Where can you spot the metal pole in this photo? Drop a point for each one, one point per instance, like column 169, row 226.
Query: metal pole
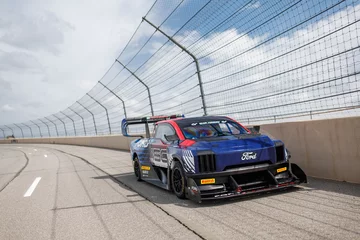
column 81, row 119
column 12, row 131
column 71, row 120
column 22, row 133
column 57, row 132
column 147, row 88
column 46, row 126
column 62, row 123
column 32, row 135
column 38, row 127
column 3, row 132
column 91, row 114
column 107, row 114
column 195, row 60
column 115, row 96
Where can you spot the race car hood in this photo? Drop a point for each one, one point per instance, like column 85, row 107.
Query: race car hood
column 235, row 151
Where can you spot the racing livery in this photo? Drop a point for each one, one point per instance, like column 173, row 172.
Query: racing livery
column 210, row 157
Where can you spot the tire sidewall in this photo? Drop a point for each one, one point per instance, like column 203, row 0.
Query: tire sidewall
column 136, row 161
column 179, row 167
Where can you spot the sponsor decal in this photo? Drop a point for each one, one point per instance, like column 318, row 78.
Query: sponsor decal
column 143, row 143
column 208, row 181
column 224, row 195
column 209, row 122
column 147, row 168
column 248, row 156
column 188, row 157
column 283, row 169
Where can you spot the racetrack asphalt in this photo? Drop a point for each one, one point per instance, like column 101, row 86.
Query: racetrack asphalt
column 91, row 193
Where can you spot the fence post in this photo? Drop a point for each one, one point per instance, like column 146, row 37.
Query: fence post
column 91, row 114
column 22, row 133
column 115, row 96
column 38, row 127
column 107, row 114
column 202, row 95
column 81, row 119
column 12, row 131
column 71, row 120
column 3, row 132
column 147, row 88
column 46, row 126
column 57, row 132
column 32, row 135
column 62, row 123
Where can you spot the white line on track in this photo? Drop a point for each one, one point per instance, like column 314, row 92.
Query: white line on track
column 35, row 150
column 29, row 153
column 45, row 155
column 32, row 187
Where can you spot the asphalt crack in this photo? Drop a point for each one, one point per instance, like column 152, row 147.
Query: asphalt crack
column 129, row 187
column 18, row 172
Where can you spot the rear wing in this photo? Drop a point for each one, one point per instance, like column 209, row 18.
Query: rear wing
column 143, row 120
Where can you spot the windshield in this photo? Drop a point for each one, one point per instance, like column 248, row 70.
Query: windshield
column 198, row 130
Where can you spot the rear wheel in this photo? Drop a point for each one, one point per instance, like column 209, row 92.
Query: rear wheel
column 178, row 180
column 137, row 168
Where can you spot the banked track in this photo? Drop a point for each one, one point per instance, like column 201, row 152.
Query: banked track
column 321, row 210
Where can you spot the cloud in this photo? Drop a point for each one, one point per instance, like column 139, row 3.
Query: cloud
column 7, row 108
column 5, row 85
column 53, row 52
column 19, row 61
column 41, row 30
column 256, row 4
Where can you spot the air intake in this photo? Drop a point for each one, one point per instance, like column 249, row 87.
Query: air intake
column 207, row 163
column 280, row 153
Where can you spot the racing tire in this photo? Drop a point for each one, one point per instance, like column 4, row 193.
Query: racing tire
column 137, row 172
column 178, row 180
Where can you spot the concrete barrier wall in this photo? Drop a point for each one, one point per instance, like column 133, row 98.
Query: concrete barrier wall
column 323, row 148
column 114, row 141
column 327, row 149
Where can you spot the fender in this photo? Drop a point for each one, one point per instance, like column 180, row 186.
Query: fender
column 172, row 162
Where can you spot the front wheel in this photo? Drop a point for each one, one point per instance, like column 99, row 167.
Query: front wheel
column 178, row 180
column 137, row 168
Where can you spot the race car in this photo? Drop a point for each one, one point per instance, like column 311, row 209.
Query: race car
column 209, row 157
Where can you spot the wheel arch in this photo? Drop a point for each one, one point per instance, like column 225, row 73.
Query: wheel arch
column 175, row 158
column 134, row 155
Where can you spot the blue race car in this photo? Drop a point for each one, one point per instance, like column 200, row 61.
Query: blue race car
column 210, row 157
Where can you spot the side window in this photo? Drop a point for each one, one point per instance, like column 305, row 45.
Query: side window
column 236, row 130
column 164, row 129
column 224, row 127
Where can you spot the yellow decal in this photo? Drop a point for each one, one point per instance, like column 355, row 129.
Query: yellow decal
column 145, row 168
column 208, row 181
column 283, row 169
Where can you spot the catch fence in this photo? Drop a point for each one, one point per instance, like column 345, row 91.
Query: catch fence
column 258, row 61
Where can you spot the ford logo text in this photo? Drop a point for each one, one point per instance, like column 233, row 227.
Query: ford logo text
column 248, row 156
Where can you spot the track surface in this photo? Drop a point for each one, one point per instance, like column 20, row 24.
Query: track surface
column 91, row 193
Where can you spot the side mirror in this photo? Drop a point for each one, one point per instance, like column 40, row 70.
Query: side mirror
column 171, row 138
column 255, row 129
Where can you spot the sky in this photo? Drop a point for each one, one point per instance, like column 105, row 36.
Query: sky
column 52, row 52
column 257, row 58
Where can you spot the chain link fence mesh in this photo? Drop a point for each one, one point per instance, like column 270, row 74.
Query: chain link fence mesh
column 257, row 61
